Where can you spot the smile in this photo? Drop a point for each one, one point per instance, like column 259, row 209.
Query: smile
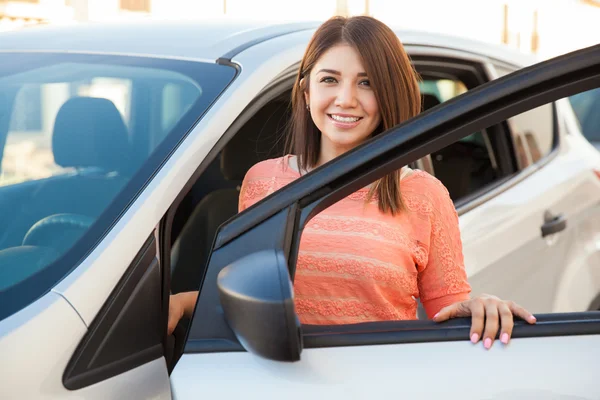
column 345, row 119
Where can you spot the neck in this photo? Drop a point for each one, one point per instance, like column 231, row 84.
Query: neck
column 329, row 152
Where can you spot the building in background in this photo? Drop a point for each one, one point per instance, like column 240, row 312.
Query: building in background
column 15, row 14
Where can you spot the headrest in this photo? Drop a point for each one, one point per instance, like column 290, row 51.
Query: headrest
column 429, row 101
column 261, row 138
column 89, row 132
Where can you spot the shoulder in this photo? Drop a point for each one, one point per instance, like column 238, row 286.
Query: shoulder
column 425, row 192
column 424, row 182
column 264, row 178
column 270, row 168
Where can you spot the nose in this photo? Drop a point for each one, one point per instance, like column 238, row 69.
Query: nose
column 346, row 96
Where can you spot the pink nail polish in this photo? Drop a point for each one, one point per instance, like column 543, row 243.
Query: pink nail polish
column 474, row 338
column 488, row 343
column 504, row 338
column 436, row 315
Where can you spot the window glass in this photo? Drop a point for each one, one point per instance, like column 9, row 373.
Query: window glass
column 28, row 150
column 469, row 164
column 587, row 109
column 75, row 132
column 533, row 134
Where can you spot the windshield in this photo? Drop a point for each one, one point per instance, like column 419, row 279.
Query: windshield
column 80, row 135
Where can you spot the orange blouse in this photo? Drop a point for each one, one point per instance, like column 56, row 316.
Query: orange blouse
column 357, row 264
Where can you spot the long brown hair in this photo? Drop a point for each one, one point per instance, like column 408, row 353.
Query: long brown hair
column 393, row 80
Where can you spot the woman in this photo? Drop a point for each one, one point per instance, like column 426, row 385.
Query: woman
column 369, row 256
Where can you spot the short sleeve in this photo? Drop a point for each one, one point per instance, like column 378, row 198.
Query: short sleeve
column 250, row 191
column 261, row 180
column 443, row 281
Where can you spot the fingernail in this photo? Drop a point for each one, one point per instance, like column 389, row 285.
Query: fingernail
column 504, row 338
column 474, row 338
column 532, row 318
column 488, row 343
column 436, row 315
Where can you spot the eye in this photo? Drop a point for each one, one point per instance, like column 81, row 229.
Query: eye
column 328, row 79
column 365, row 82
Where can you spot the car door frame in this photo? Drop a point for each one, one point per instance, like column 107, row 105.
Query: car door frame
column 275, row 223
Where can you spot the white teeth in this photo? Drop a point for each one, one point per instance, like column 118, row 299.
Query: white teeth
column 344, row 119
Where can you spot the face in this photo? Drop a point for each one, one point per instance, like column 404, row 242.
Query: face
column 342, row 102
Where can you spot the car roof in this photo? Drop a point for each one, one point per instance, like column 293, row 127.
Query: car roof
column 205, row 39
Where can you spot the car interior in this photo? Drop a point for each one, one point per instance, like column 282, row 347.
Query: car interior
column 463, row 167
column 43, row 223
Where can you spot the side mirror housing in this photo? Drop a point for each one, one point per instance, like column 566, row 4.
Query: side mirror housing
column 256, row 294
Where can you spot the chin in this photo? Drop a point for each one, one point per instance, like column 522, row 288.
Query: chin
column 347, row 141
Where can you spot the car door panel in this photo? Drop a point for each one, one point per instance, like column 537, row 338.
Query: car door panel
column 417, row 358
column 505, row 252
column 420, row 370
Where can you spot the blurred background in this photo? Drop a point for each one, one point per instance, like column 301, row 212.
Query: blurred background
column 543, row 27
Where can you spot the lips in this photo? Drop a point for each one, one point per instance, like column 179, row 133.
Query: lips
column 344, row 121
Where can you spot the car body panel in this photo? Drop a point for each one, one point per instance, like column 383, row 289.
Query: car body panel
column 525, row 260
column 206, row 40
column 36, row 345
column 424, row 371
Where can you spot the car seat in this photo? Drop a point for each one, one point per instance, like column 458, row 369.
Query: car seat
column 90, row 137
column 261, row 138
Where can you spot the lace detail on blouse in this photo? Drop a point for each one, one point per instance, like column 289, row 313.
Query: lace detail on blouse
column 356, row 264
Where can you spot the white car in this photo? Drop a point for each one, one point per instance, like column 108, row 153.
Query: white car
column 122, row 148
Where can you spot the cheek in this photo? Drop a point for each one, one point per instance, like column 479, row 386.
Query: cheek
column 320, row 100
column 371, row 107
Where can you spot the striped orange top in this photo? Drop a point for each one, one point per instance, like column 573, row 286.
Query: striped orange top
column 357, row 264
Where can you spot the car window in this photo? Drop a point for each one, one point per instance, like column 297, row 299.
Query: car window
column 77, row 132
column 469, row 164
column 587, row 109
column 28, row 152
column 535, row 134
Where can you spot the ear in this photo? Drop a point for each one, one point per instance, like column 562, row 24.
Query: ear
column 303, row 85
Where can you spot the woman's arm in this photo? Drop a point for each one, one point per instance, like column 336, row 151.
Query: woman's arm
column 443, row 282
column 182, row 304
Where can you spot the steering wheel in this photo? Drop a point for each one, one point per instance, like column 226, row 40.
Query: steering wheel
column 58, row 231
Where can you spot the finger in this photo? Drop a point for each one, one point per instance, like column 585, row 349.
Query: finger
column 506, row 322
column 477, row 320
column 522, row 313
column 491, row 324
column 445, row 313
column 455, row 310
column 171, row 325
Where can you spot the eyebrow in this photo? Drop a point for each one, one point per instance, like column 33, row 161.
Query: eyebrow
column 333, row 71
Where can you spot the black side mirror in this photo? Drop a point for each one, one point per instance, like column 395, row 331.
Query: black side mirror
column 256, row 293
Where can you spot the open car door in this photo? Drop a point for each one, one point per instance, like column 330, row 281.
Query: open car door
column 245, row 340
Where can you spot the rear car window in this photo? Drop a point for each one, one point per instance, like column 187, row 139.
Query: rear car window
column 587, row 108
column 80, row 135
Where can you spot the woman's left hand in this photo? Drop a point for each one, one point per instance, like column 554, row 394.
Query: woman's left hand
column 488, row 310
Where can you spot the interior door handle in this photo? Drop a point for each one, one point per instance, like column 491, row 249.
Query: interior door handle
column 553, row 223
